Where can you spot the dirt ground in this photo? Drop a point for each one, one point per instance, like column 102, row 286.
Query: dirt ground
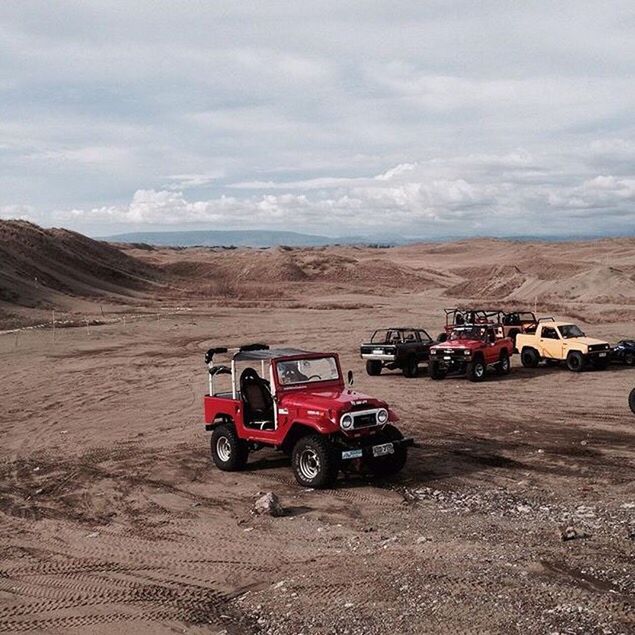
column 112, row 517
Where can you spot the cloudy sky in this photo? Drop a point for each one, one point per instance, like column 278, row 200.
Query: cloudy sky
column 427, row 119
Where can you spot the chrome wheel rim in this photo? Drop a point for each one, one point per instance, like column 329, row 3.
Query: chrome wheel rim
column 479, row 369
column 309, row 464
column 223, row 449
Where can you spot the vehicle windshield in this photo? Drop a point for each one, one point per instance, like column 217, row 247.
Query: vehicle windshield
column 468, row 333
column 302, row 371
column 570, row 330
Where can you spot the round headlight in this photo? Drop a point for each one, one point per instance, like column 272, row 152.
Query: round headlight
column 346, row 422
column 382, row 415
column 467, row 351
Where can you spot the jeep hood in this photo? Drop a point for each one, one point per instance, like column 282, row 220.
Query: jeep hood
column 329, row 399
column 471, row 344
column 587, row 341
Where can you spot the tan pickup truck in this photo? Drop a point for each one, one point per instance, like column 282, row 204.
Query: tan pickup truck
column 557, row 342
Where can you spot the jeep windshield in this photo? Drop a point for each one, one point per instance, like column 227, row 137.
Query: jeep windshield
column 310, row 370
column 468, row 333
column 570, row 330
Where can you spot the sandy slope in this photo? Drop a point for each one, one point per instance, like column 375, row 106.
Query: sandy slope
column 112, row 519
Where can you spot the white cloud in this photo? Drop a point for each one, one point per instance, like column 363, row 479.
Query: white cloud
column 323, row 116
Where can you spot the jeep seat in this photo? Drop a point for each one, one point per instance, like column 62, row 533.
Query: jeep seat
column 257, row 400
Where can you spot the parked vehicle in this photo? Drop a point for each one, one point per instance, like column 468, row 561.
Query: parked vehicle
column 472, row 350
column 511, row 323
column 463, row 316
column 624, row 352
column 554, row 342
column 297, row 402
column 631, row 400
column 397, row 347
column 515, row 322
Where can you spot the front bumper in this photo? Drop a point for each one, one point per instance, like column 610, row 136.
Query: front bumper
column 451, row 361
column 369, row 451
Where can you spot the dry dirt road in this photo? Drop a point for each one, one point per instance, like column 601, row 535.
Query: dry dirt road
column 112, row 518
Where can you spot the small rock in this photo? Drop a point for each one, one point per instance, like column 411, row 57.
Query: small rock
column 269, row 504
column 523, row 509
column 93, row 535
column 571, row 533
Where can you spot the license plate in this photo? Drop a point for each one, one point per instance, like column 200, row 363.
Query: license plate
column 382, row 450
column 602, row 354
column 447, row 357
column 352, row 454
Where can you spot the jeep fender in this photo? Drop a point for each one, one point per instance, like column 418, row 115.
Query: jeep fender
column 298, row 429
column 219, row 417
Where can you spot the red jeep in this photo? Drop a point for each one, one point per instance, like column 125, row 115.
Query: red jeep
column 511, row 322
column 471, row 349
column 296, row 402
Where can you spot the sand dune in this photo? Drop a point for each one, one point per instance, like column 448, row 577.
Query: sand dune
column 55, row 268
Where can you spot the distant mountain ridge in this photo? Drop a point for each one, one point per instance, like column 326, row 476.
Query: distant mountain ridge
column 274, row 238
column 236, row 238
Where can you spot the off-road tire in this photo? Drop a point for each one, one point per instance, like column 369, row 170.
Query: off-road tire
column 391, row 463
column 434, row 371
column 229, row 453
column 575, row 361
column 476, row 370
column 629, row 359
column 504, row 365
column 600, row 363
column 631, row 400
column 411, row 368
column 529, row 358
column 315, row 461
column 373, row 367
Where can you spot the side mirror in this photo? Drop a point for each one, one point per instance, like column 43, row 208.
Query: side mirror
column 350, row 380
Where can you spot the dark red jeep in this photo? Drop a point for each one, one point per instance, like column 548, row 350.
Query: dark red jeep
column 297, row 402
column 471, row 349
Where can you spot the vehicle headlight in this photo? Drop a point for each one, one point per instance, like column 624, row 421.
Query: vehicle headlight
column 346, row 422
column 382, row 416
column 433, row 351
column 467, row 351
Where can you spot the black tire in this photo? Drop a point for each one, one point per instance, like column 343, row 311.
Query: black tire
column 631, row 400
column 600, row 363
column 435, row 371
column 315, row 461
column 229, row 453
column 552, row 362
column 373, row 367
column 504, row 365
column 529, row 358
column 391, row 463
column 629, row 359
column 442, row 337
column 411, row 368
column 476, row 370
column 575, row 361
